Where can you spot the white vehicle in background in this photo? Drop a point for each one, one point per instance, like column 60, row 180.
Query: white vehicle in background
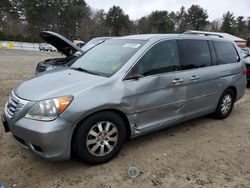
column 47, row 47
column 246, row 50
column 4, row 45
column 79, row 43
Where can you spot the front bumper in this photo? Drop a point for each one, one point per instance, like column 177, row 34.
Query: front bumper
column 50, row 140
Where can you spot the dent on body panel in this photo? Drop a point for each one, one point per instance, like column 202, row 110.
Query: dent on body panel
column 154, row 100
column 143, row 93
column 109, row 95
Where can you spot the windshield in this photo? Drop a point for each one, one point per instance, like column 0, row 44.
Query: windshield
column 91, row 44
column 108, row 57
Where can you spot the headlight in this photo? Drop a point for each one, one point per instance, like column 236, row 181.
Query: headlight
column 50, row 109
column 51, row 67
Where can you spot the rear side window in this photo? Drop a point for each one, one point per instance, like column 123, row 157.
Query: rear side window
column 226, row 52
column 195, row 54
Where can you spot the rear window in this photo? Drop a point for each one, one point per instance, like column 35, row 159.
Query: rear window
column 226, row 52
column 195, row 54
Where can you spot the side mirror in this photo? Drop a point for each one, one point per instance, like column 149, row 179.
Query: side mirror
column 135, row 76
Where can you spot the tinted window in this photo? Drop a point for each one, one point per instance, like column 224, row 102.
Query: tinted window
column 108, row 57
column 226, row 52
column 195, row 54
column 163, row 57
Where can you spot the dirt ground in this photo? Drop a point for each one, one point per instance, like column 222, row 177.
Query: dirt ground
column 201, row 153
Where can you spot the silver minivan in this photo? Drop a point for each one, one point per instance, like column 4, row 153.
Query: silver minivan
column 123, row 88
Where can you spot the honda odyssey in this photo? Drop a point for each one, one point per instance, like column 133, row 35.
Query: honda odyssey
column 123, row 88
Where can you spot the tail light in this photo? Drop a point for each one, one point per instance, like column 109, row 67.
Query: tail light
column 245, row 72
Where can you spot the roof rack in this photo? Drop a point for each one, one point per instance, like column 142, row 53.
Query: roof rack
column 204, row 34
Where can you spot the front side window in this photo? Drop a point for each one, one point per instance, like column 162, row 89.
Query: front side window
column 226, row 52
column 162, row 57
column 195, row 54
column 108, row 57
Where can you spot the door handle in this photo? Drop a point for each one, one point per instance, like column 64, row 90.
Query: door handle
column 193, row 78
column 177, row 81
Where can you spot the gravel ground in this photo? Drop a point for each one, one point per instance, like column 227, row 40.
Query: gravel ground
column 200, row 153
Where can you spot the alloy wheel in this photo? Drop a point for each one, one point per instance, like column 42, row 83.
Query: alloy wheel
column 102, row 138
column 226, row 104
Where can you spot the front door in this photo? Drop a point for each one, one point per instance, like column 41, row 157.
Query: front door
column 157, row 97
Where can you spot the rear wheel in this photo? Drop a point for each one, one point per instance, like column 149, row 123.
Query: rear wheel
column 225, row 105
column 100, row 137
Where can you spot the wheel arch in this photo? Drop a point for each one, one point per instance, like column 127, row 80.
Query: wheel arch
column 118, row 112
column 233, row 88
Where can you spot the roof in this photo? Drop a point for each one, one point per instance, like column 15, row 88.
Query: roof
column 157, row 37
column 222, row 35
column 164, row 36
column 148, row 36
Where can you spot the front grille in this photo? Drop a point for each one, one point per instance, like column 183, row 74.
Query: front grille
column 40, row 68
column 14, row 105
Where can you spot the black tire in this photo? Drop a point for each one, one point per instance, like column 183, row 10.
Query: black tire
column 219, row 113
column 80, row 146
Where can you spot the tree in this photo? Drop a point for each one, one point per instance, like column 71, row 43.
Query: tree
column 8, row 13
column 196, row 17
column 117, row 20
column 248, row 41
column 39, row 15
column 96, row 25
column 228, row 23
column 72, row 14
column 63, row 16
column 160, row 22
column 240, row 25
column 248, row 24
column 143, row 25
column 24, row 19
column 216, row 25
column 180, row 21
column 4, row 7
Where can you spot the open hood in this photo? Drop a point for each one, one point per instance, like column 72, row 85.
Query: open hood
column 62, row 44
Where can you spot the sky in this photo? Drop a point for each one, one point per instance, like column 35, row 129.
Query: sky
column 138, row 8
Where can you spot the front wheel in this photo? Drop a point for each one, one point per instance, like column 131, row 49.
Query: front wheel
column 225, row 105
column 100, row 137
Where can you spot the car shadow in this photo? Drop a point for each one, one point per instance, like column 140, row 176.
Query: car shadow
column 133, row 144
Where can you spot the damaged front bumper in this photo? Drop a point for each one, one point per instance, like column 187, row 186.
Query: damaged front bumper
column 50, row 140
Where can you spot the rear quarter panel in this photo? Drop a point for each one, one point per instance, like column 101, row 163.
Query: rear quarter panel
column 231, row 75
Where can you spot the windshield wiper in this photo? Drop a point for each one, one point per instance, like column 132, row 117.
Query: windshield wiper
column 85, row 70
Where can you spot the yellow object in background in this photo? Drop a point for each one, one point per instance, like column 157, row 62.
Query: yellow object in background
column 0, row 45
column 11, row 45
